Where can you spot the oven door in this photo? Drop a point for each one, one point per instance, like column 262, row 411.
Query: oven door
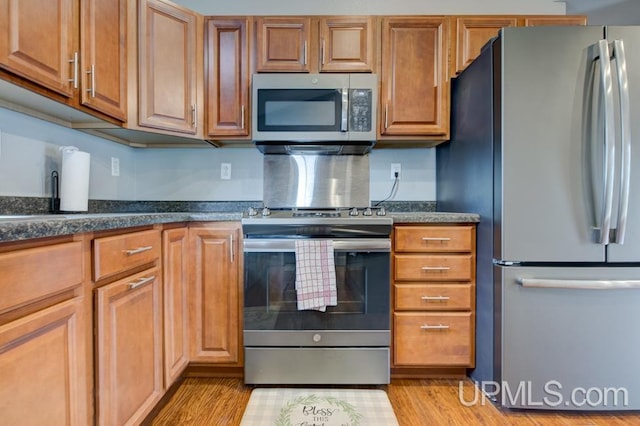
column 271, row 317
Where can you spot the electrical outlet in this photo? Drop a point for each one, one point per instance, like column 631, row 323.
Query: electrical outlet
column 396, row 168
column 115, row 166
column 225, row 171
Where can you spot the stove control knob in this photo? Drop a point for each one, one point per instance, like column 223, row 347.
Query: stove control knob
column 381, row 212
column 266, row 211
column 367, row 212
column 317, row 338
column 252, row 211
column 353, row 212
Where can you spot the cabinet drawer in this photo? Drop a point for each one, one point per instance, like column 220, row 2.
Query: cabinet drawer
column 33, row 274
column 434, row 238
column 417, row 267
column 112, row 255
column 438, row 339
column 435, row 297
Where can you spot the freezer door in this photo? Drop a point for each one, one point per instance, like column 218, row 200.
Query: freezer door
column 569, row 348
column 625, row 45
column 546, row 208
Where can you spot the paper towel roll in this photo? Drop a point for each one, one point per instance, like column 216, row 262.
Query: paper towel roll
column 74, row 180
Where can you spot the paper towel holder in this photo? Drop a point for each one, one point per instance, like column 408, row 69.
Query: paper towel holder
column 54, row 206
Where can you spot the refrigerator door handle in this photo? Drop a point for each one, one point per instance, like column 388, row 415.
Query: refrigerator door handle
column 578, row 284
column 609, row 141
column 625, row 139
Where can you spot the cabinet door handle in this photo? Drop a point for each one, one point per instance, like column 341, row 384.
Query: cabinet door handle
column 436, row 298
column 304, row 53
column 138, row 250
column 242, row 117
column 436, row 239
column 322, row 52
column 194, row 115
column 74, row 61
column 435, row 268
column 142, row 281
column 434, row 327
column 386, row 116
column 231, row 248
column 92, row 89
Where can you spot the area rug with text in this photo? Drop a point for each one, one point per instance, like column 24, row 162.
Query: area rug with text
column 318, row 407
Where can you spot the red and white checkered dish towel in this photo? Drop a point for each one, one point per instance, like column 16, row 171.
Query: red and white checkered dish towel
column 315, row 275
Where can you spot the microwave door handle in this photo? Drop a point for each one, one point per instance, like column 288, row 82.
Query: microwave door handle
column 345, row 110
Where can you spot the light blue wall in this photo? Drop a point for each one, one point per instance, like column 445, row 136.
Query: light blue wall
column 29, row 152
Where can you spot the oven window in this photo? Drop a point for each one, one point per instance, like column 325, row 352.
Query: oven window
column 293, row 110
column 362, row 285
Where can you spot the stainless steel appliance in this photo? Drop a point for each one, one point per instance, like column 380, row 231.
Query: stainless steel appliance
column 349, row 342
column 543, row 149
column 314, row 113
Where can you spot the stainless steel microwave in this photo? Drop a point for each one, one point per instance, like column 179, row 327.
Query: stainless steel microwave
column 315, row 113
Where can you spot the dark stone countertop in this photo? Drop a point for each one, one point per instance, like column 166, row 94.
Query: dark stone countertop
column 40, row 226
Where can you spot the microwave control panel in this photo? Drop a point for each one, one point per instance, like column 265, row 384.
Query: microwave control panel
column 360, row 110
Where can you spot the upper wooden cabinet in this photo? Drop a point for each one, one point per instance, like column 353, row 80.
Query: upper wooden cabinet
column 346, row 43
column 103, row 56
column 318, row 44
column 470, row 33
column 282, row 44
column 414, row 95
column 38, row 41
column 227, row 78
column 75, row 48
column 168, row 68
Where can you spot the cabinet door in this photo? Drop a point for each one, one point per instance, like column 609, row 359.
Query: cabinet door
column 175, row 280
column 103, row 57
column 227, row 78
column 414, row 100
column 346, row 44
column 43, row 366
column 473, row 32
column 283, row 43
column 167, row 67
column 129, row 348
column 37, row 41
column 532, row 21
column 214, row 294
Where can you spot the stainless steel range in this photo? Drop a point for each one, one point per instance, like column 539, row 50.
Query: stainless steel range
column 349, row 342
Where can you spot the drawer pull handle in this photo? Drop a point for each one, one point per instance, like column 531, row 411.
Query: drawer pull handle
column 436, row 298
column 436, row 239
column 142, row 281
column 435, row 268
column 434, row 327
column 138, row 250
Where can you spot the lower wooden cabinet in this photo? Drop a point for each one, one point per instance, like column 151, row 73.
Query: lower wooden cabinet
column 175, row 264
column 45, row 355
column 214, row 293
column 129, row 348
column 434, row 297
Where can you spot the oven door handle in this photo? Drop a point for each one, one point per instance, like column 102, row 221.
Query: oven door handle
column 347, row 244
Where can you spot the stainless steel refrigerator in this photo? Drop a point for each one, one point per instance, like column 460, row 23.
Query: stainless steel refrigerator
column 544, row 148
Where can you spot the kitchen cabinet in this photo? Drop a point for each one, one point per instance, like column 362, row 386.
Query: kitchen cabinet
column 215, row 293
column 128, row 323
column 434, row 296
column 45, row 358
column 175, row 266
column 227, row 78
column 315, row 44
column 414, row 95
column 470, row 33
column 169, row 68
column 74, row 48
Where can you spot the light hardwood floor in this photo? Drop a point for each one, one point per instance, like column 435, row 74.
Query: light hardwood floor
column 221, row 401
